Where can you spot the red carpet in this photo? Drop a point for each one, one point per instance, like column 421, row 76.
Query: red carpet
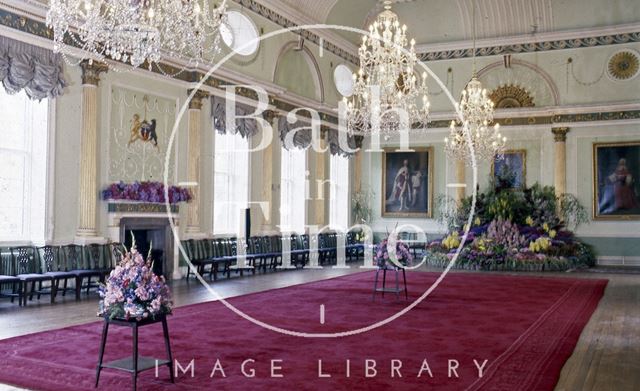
column 525, row 327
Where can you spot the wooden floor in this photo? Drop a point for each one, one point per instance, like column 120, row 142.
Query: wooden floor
column 607, row 356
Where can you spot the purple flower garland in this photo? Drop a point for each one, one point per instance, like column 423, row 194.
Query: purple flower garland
column 150, row 192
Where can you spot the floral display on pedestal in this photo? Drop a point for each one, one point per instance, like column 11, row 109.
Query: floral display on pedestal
column 133, row 291
column 386, row 255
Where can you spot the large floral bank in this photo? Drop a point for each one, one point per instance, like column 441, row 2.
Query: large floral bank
column 518, row 230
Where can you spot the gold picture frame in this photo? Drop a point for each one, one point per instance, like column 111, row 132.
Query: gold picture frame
column 523, row 159
column 418, row 203
column 616, row 170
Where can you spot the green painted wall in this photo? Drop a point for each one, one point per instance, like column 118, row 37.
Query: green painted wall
column 294, row 73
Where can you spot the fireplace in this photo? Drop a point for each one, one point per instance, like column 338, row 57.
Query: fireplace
column 149, row 224
column 150, row 234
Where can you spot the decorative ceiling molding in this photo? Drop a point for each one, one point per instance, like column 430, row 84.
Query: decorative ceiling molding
column 325, row 38
column 504, row 18
column 623, row 65
column 557, row 119
column 534, row 47
column 509, row 96
column 316, row 10
column 373, row 12
column 554, row 115
column 628, row 33
column 541, row 84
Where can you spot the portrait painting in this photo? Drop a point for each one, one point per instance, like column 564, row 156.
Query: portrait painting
column 407, row 183
column 509, row 171
column 616, row 169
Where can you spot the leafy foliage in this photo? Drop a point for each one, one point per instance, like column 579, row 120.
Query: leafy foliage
column 513, row 230
column 362, row 206
column 538, row 203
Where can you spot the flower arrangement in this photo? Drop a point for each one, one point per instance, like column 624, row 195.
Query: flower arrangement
column 132, row 290
column 514, row 230
column 150, row 192
column 401, row 254
column 540, row 245
column 451, row 241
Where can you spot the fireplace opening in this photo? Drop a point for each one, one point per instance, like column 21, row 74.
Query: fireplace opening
column 151, row 234
column 149, row 240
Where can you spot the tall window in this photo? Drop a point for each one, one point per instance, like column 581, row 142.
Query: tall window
column 23, row 167
column 231, row 182
column 339, row 202
column 293, row 168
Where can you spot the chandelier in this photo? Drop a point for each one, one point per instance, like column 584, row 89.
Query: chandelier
column 389, row 95
column 137, row 32
column 473, row 135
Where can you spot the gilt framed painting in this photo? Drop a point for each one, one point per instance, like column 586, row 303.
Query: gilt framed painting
column 510, row 170
column 616, row 185
column 407, row 183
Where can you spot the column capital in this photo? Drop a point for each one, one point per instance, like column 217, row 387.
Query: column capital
column 270, row 115
column 560, row 134
column 91, row 71
column 196, row 101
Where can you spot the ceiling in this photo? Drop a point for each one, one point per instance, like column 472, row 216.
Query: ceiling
column 440, row 21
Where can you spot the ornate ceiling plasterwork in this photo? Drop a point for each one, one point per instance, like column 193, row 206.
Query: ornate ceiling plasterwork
column 509, row 96
column 317, row 10
column 541, row 88
column 623, row 65
column 577, row 43
column 503, row 18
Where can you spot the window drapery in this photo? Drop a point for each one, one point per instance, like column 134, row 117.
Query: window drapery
column 246, row 127
column 37, row 71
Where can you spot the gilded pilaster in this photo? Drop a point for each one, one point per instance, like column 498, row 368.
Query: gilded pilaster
column 560, row 162
column 88, row 197
column 193, row 167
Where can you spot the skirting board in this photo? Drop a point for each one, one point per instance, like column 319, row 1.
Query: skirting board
column 618, row 261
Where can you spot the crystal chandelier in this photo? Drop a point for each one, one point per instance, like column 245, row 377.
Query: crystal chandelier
column 389, row 95
column 137, row 32
column 473, row 135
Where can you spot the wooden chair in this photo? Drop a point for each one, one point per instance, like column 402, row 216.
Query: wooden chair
column 96, row 261
column 26, row 264
column 116, row 252
column 270, row 254
column 52, row 265
column 256, row 254
column 8, row 281
column 75, row 264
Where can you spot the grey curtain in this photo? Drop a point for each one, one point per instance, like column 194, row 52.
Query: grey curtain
column 350, row 142
column 35, row 70
column 247, row 127
column 301, row 138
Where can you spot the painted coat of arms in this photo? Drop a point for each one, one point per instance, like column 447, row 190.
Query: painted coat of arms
column 144, row 130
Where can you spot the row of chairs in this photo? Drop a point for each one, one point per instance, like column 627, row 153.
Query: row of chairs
column 263, row 253
column 26, row 271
